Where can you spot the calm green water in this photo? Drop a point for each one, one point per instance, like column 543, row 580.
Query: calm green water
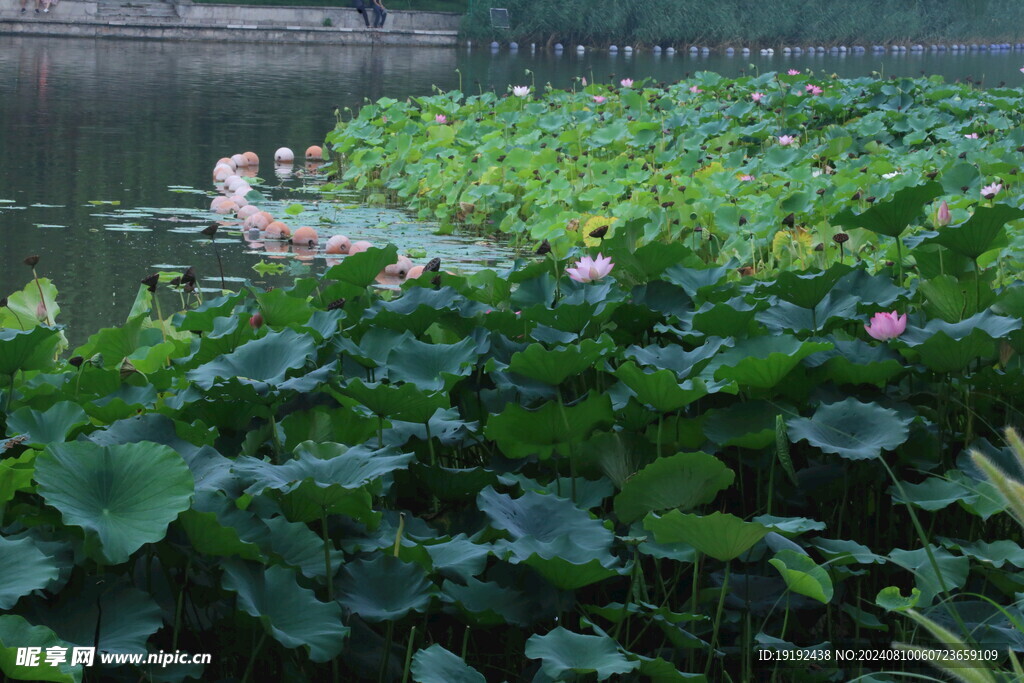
column 142, row 123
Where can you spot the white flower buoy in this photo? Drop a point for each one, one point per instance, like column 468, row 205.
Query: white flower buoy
column 284, row 156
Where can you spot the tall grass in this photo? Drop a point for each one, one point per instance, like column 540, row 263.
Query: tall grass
column 749, row 22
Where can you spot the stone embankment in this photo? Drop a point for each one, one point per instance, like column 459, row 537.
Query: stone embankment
column 185, row 20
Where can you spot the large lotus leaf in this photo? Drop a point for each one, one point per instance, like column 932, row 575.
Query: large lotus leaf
column 992, row 325
column 208, row 537
column 383, row 588
column 802, row 575
column 732, row 318
column 891, row 599
column 404, row 402
column 586, row 494
column 52, row 424
column 279, row 308
column 431, row 367
column 893, row 216
column 660, row 389
column 682, row 481
column 949, row 347
column 552, row 535
column 857, row 362
column 521, row 432
column 722, row 536
column 16, row 633
column 21, row 305
column 650, row 260
column 16, row 474
column 489, row 603
column 749, row 425
column 416, row 310
column 266, row 359
column 553, row 366
column 675, row 358
column 996, row 553
column 123, row 496
column 807, row 289
column 784, row 316
column 114, row 344
column 953, row 570
column 694, row 280
column 563, row 653
column 108, row 607
column 23, row 569
column 932, row 494
column 762, row 362
column 27, row 350
column 851, row 429
column 980, row 232
column 437, row 665
column 868, row 289
column 289, row 612
column 840, row 552
column 952, row 298
column 324, row 424
column 361, row 269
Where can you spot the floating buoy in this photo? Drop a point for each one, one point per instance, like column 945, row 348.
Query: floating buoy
column 234, row 182
column 239, row 160
column 670, row 50
column 399, row 269
column 338, row 244
column 223, row 205
column 358, row 247
column 246, row 211
column 613, row 48
column 226, row 161
column 495, row 45
column 305, row 235
column 260, row 220
column 276, row 230
column 513, row 45
column 222, row 172
column 414, row 273
column 252, row 158
column 239, row 200
column 284, row 155
column 314, row 153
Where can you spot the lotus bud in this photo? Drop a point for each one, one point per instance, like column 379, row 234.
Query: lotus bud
column 256, row 321
column 942, row 216
column 76, row 361
column 41, row 311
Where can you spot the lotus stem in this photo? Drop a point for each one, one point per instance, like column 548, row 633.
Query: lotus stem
column 408, row 650
column 252, row 657
column 389, row 635
column 718, row 618
column 178, row 607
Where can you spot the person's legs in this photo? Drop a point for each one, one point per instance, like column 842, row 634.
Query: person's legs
column 378, row 16
column 366, row 18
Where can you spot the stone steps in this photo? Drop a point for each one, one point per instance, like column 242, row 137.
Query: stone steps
column 136, row 9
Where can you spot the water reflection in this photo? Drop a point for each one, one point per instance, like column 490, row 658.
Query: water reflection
column 120, row 121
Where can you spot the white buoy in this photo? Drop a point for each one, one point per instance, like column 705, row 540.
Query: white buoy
column 613, row 48
column 513, row 46
column 670, row 50
column 284, row 155
column 627, row 49
column 580, row 48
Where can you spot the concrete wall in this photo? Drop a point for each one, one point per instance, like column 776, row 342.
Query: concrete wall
column 230, row 22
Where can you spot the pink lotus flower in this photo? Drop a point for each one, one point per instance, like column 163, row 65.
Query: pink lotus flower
column 747, row 178
column 814, row 90
column 440, row 118
column 990, row 191
column 626, row 82
column 793, row 72
column 757, row 96
column 942, row 216
column 588, row 269
column 695, row 90
column 41, row 312
column 786, row 140
column 886, row 325
column 971, row 136
column 600, row 99
column 584, row 81
column 1022, row 69
column 384, row 119
column 521, row 90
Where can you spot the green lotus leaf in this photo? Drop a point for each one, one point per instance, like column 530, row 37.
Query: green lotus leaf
column 841, row 552
column 959, row 176
column 208, row 537
column 128, row 616
column 789, row 526
column 21, row 305
column 16, row 474
column 431, row 367
column 279, row 308
column 858, row 362
column 748, row 425
column 586, row 494
column 553, row 366
column 675, row 358
column 52, row 424
column 289, row 612
column 489, row 603
column 563, row 652
column 996, row 553
column 266, row 359
column 851, row 429
column 660, row 389
column 951, row 298
column 803, row 576
column 806, row 290
column 437, row 665
column 15, row 632
column 695, row 281
column 763, row 362
column 934, row 493
column 27, row 350
column 893, row 216
column 458, row 557
column 682, row 481
column 948, row 347
column 979, row 233
column 520, row 432
column 449, row 483
column 891, row 599
column 323, row 424
column 383, row 588
column 404, row 402
column 953, row 570
column 115, row 344
column 123, row 496
column 722, row 536
column 416, row 310
column 361, row 269
column 23, row 569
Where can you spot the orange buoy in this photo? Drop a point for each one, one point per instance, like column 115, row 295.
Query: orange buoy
column 399, row 269
column 305, row 235
column 314, row 153
column 338, row 244
column 360, row 246
column 258, row 220
column 276, row 230
column 414, row 273
column 222, row 172
column 252, row 158
column 223, row 205
column 226, row 161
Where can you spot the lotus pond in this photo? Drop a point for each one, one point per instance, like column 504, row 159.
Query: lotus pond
column 716, row 449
